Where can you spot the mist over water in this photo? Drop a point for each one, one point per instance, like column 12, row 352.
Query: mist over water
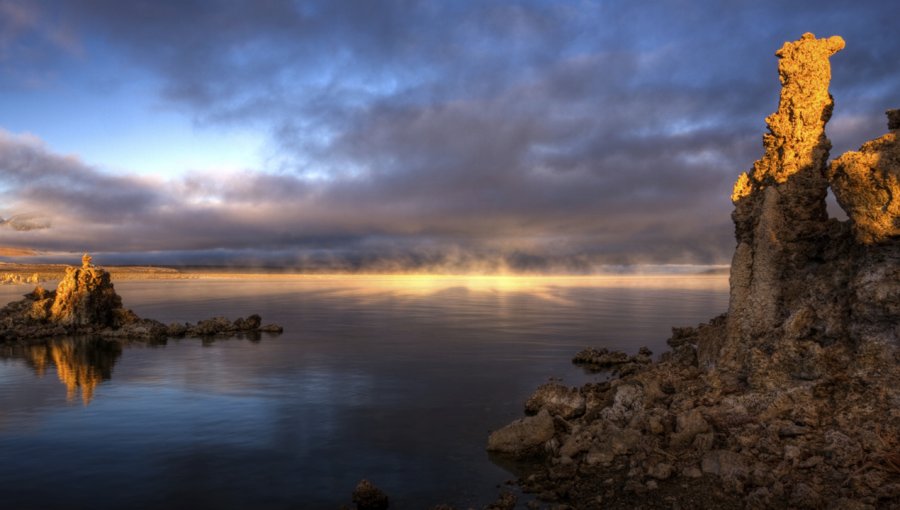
column 395, row 379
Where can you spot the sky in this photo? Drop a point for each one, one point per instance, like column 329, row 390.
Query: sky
column 387, row 135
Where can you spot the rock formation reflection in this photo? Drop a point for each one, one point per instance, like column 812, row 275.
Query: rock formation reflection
column 81, row 363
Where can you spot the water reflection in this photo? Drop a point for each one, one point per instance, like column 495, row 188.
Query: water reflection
column 397, row 379
column 81, row 363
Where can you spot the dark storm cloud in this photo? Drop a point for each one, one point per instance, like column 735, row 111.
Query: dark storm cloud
column 575, row 131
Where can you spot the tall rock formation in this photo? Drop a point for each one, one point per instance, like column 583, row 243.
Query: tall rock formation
column 86, row 297
column 799, row 280
column 792, row 398
column 780, row 213
column 867, row 185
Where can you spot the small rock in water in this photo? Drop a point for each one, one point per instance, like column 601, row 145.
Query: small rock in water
column 367, row 496
column 271, row 328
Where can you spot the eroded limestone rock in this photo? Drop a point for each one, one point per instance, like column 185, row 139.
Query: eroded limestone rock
column 867, row 186
column 799, row 280
column 86, row 296
column 557, row 399
column 523, row 437
column 792, row 399
column 86, row 303
column 780, row 210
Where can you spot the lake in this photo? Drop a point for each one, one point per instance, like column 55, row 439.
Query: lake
column 398, row 379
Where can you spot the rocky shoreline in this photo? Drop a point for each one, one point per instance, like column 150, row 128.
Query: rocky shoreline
column 85, row 303
column 792, row 398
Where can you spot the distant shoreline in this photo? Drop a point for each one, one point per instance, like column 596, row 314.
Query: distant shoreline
column 32, row 273
column 25, row 272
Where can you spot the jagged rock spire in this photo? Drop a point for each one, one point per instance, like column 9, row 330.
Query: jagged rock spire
column 780, row 204
column 86, row 296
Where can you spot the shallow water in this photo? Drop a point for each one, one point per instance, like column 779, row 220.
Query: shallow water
column 395, row 379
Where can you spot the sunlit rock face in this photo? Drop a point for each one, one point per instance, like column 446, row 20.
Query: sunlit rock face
column 867, row 185
column 86, row 296
column 86, row 303
column 780, row 210
column 801, row 282
column 791, row 399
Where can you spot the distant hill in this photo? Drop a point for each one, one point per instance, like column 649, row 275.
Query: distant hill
column 7, row 251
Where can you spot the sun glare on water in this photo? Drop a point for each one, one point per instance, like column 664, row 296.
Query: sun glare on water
column 424, row 285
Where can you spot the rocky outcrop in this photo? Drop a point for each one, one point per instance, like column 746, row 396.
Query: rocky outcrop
column 780, row 215
column 672, row 432
column 867, row 186
column 86, row 303
column 791, row 399
column 525, row 437
column 84, row 297
column 557, row 399
column 801, row 282
column 597, row 360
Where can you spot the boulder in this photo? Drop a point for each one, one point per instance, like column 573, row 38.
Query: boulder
column 600, row 358
column 687, row 425
column 251, row 323
column 725, row 463
column 366, row 496
column 271, row 328
column 628, row 400
column 212, row 327
column 523, row 437
column 557, row 399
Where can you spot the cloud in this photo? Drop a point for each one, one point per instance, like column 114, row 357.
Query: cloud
column 343, row 224
column 25, row 222
column 33, row 44
column 449, row 132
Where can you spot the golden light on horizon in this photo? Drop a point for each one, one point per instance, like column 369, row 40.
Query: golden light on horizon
column 411, row 286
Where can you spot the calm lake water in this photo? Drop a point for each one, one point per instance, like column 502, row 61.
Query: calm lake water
column 395, row 379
